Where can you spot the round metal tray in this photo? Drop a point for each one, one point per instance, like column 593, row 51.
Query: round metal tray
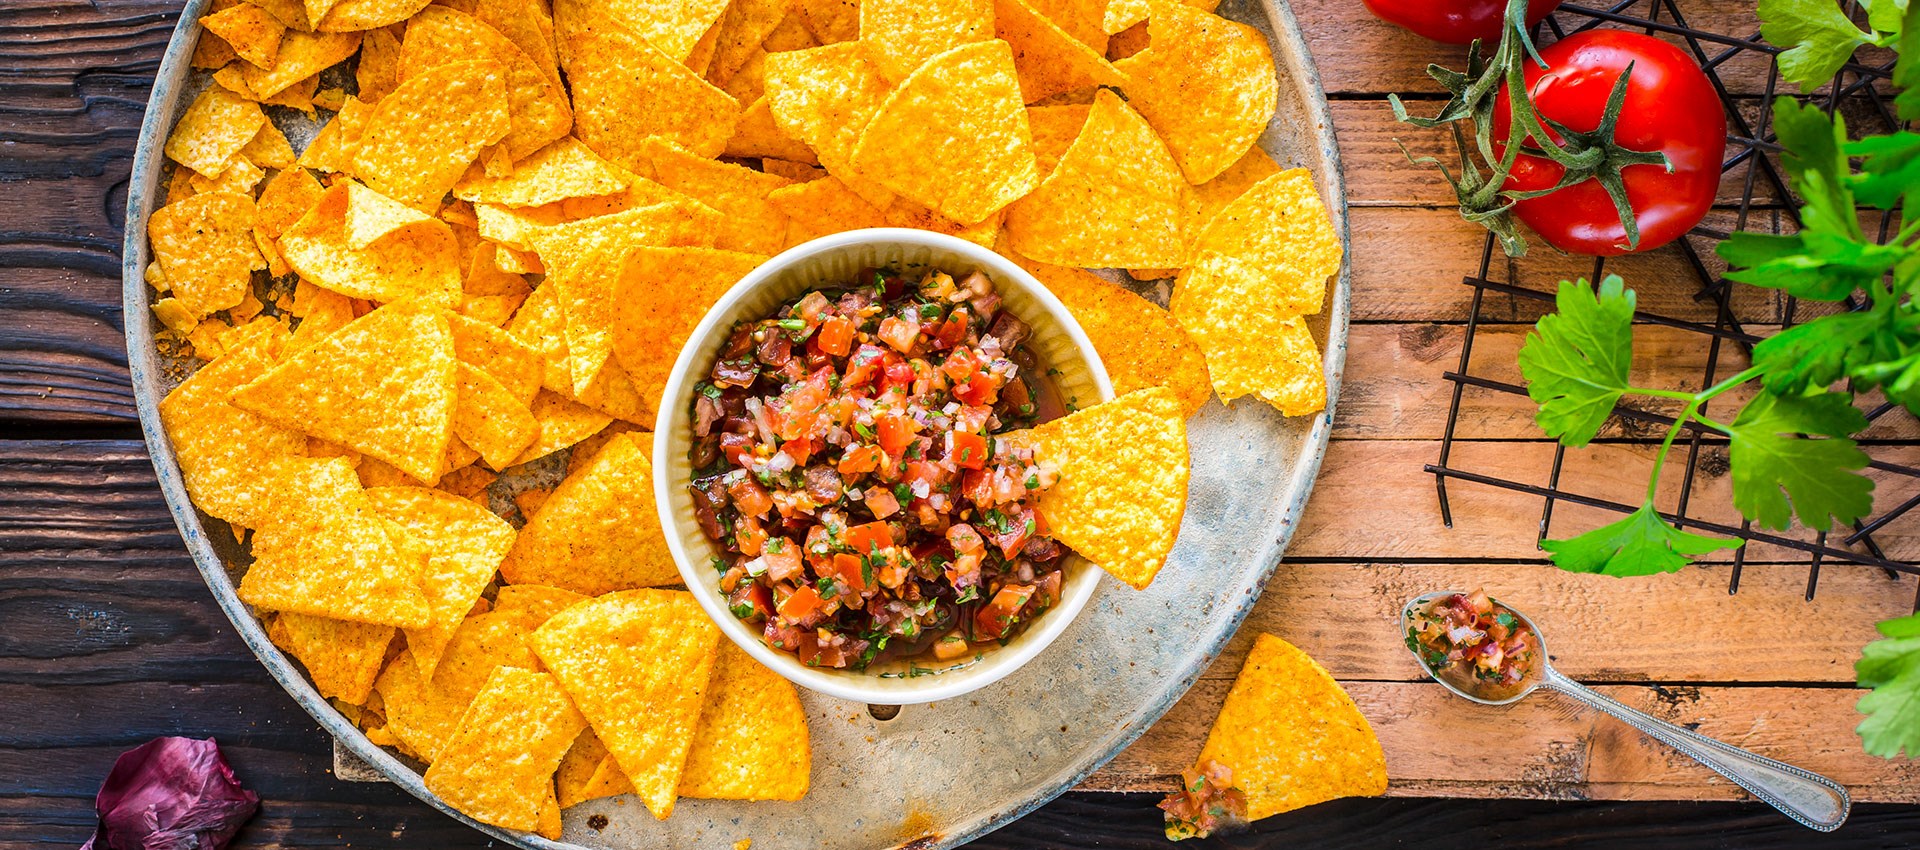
column 941, row 774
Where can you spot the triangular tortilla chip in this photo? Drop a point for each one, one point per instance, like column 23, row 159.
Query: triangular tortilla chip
column 534, row 604
column 537, row 108
column 742, row 29
column 516, row 365
column 249, row 30
column 335, row 146
column 599, row 531
column 1054, row 129
column 528, row 24
column 1206, row 84
column 1123, row 481
column 490, row 419
column 1292, row 736
column 401, row 357
column 752, row 741
column 410, row 257
column 954, row 135
column 638, row 664
column 738, row 193
column 222, row 449
column 465, row 544
column 660, row 296
column 269, row 149
column 683, row 222
column 625, row 89
column 1049, row 59
column 565, row 169
column 343, row 657
column 674, row 27
column 378, row 71
column 422, row 712
column 324, row 550
column 588, row 772
column 205, row 248
column 302, row 55
column 758, row 135
column 1115, row 199
column 1085, row 20
column 213, row 129
column 824, row 97
column 498, row 766
column 901, row 35
column 422, row 136
column 361, row 15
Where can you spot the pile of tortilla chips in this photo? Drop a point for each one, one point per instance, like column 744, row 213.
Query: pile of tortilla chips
column 515, row 211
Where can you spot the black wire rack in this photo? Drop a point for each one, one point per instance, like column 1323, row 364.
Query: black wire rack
column 1754, row 196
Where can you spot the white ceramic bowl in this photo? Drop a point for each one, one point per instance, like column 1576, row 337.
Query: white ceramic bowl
column 833, row 260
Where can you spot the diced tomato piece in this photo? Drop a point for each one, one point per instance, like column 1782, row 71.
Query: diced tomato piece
column 863, row 365
column 895, row 431
column 1015, row 536
column 899, row 333
column 847, row 567
column 954, row 329
column 881, row 502
column 977, row 486
column 960, row 365
column 967, row 450
column 813, row 653
column 749, row 536
column 737, row 448
column 977, row 389
column 920, row 470
column 965, row 539
column 858, row 459
column 997, row 617
column 749, row 496
column 866, row 538
column 782, row 557
column 803, row 603
column 752, row 599
column 835, row 336
column 899, row 373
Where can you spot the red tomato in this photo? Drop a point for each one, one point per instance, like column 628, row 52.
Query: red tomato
column 967, row 450
column 866, row 538
column 835, row 336
column 1670, row 107
column 996, row 618
column 1454, row 21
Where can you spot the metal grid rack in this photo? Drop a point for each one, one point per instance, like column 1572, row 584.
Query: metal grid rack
column 1860, row 92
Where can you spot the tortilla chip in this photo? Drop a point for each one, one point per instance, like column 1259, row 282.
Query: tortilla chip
column 302, row 55
column 565, row 169
column 1260, row 353
column 401, row 356
column 528, row 24
column 1115, row 199
column 464, row 543
column 498, row 766
column 222, row 449
column 757, row 135
column 533, row 604
column 672, row 224
column 824, row 97
column 751, row 742
column 823, row 207
column 324, row 550
column 211, row 52
column 491, row 419
column 588, row 772
column 253, row 34
column 742, row 29
column 598, row 532
column 673, row 27
column 1054, row 129
column 537, row 107
column 1207, row 86
column 514, row 364
column 1214, row 195
column 1292, row 736
column 1084, row 20
column 830, row 21
column 269, row 149
column 469, row 483
column 1128, row 42
column 541, row 325
column 359, row 15
column 638, row 665
column 625, row 89
column 563, row 422
column 1123, row 481
column 378, row 73
column 954, row 135
column 1049, row 59
column 337, row 143
column 213, row 129
column 421, row 137
column 659, row 298
column 422, row 712
column 797, row 172
column 238, row 177
column 585, row 293
column 205, row 248
column 342, row 657
column 340, row 244
column 1140, row 344
column 901, row 35
column 738, row 193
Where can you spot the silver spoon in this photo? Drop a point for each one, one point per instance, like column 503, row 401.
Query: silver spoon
column 1809, row 798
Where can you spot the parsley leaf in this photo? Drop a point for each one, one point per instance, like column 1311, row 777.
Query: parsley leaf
column 1819, row 36
column 1576, row 359
column 1642, row 544
column 1891, row 667
column 1771, row 464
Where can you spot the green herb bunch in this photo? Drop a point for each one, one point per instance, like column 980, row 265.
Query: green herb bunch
column 1790, row 448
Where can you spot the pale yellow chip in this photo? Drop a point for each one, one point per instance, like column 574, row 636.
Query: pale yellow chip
column 953, row 137
column 758, row 135
column 626, row 89
column 659, row 297
column 464, row 544
column 565, row 169
column 499, row 353
column 1123, row 481
column 563, row 422
column 342, row 657
column 752, row 741
column 901, row 35
column 1115, row 199
column 534, row 604
column 824, row 97
column 416, row 259
column 491, row 420
column 1272, row 248
column 302, row 55
column 223, row 450
column 205, row 248
column 537, row 107
column 378, row 72
column 1292, row 736
column 638, row 665
column 422, row 136
column 599, row 531
column 748, row 223
column 360, row 15
column 498, row 766
column 337, row 143
column 1206, row 84
column 213, row 129
column 1214, row 195
column 674, row 27
column 1140, row 344
column 1050, row 60
column 422, row 712
column 324, row 550
column 1054, row 129
column 249, row 30
column 269, row 148
column 238, row 177
column 383, row 386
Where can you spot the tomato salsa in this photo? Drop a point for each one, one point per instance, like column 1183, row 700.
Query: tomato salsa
column 1474, row 642
column 852, row 477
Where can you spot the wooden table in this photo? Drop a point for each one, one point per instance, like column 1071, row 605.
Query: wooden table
column 108, row 637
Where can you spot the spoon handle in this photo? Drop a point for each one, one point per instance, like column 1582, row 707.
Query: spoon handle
column 1813, row 800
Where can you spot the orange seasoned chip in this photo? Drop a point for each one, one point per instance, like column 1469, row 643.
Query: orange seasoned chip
column 798, row 172
column 528, row 24
column 537, row 107
column 748, row 223
column 1123, row 481
column 626, row 89
column 563, row 422
column 212, row 131
column 1048, row 58
column 238, row 177
column 752, row 741
column 335, row 146
column 588, row 772
column 1085, row 20
column 565, row 169
column 342, row 656
column 464, row 544
column 613, row 392
column 671, row 224
column 1206, row 84
column 205, row 248
column 1128, row 42
column 1291, row 736
column 541, row 325
column 211, row 52
column 222, row 449
column 291, row 13
column 758, row 135
column 741, row 30
column 378, row 72
column 401, row 356
column 830, row 21
column 673, row 27
column 360, row 15
column 498, row 765
column 1054, row 129
column 422, row 137
column 598, row 532
column 302, row 56
column 1212, row 196
column 324, row 550
column 1115, row 199
column 659, row 298
column 517, row 366
column 823, row 207
column 269, row 148
column 249, row 30
column 638, row 665
column 954, row 135
column 360, row 243
column 1140, row 344
column 422, row 712
column 901, row 35
column 824, row 97
column 534, row 604
column 491, row 420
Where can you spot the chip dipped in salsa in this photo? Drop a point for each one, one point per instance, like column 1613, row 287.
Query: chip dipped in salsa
column 852, row 477
column 1474, row 642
